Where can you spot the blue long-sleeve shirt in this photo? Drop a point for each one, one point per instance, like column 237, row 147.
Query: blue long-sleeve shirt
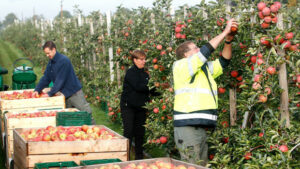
column 60, row 71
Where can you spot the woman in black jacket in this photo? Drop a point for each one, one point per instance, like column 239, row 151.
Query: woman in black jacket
column 134, row 96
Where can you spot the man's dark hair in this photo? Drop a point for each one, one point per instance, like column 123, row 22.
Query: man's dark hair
column 182, row 49
column 50, row 45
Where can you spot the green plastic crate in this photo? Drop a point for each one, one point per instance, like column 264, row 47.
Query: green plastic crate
column 73, row 118
column 102, row 161
column 55, row 164
column 104, row 106
column 1, row 83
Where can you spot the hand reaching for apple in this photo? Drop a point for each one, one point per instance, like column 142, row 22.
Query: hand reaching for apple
column 231, row 26
column 59, row 94
column 35, row 94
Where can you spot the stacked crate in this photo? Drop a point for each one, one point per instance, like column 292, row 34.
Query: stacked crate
column 21, row 101
column 14, row 120
column 30, row 152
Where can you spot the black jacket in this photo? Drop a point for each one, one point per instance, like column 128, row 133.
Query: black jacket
column 135, row 90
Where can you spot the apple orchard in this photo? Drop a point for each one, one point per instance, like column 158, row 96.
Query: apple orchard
column 259, row 93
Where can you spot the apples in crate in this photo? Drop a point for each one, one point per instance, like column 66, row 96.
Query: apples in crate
column 72, row 133
column 21, row 95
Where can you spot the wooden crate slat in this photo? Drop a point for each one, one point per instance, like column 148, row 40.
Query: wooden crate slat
column 20, row 147
column 29, row 103
column 148, row 161
column 9, row 147
column 75, row 157
column 30, row 122
column 77, row 146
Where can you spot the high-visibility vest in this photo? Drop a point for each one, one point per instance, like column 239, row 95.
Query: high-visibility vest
column 196, row 100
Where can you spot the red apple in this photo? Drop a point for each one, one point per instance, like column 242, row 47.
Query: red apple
column 70, row 138
column 156, row 110
column 54, row 137
column 159, row 47
column 247, row 156
column 253, row 59
column 278, row 39
column 278, row 4
column 260, row 61
column 225, row 139
column 266, row 11
column 240, row 78
column 268, row 90
column 178, row 29
column 178, row 35
column 256, row 86
column 84, row 128
column 220, row 21
column 274, row 8
column 287, row 44
column 271, row 70
column 260, row 15
column 293, row 48
column 221, row 90
column 264, row 41
column 274, row 19
column 96, row 129
column 234, row 73
column 262, row 98
column 163, row 139
column 46, row 137
column 289, row 35
column 257, row 77
column 224, row 124
column 268, row 19
column 283, row 148
column 261, row 6
column 154, row 60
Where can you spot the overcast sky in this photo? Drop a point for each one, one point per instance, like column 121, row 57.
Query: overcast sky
column 50, row 8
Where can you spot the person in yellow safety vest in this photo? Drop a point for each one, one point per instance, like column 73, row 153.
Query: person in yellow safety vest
column 196, row 102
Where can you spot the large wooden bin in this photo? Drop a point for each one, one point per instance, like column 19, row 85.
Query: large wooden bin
column 22, row 105
column 27, row 153
column 26, row 105
column 153, row 163
column 32, row 122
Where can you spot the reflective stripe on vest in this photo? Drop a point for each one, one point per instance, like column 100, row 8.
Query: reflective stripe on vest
column 210, row 67
column 195, row 116
column 202, row 57
column 190, row 66
column 194, row 90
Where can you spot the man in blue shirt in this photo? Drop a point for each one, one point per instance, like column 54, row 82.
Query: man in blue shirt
column 60, row 71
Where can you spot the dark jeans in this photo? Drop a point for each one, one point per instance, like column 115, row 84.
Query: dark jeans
column 133, row 123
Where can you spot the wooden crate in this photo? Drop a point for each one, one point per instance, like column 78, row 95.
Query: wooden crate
column 23, row 105
column 122, row 165
column 27, row 105
column 27, row 153
column 36, row 122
